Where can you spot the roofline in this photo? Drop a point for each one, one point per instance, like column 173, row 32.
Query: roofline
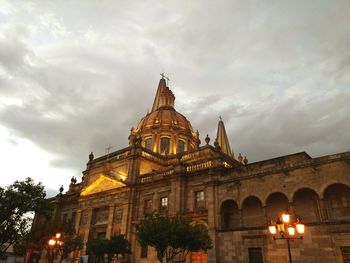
column 283, row 156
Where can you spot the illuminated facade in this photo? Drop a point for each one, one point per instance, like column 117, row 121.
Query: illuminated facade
column 166, row 166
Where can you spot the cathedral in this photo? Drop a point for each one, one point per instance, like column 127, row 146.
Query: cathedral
column 166, row 166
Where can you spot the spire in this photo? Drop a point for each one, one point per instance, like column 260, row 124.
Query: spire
column 164, row 96
column 222, row 139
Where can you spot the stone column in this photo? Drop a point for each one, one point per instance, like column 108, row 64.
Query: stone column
column 265, row 214
column 176, row 196
column 322, row 211
column 155, row 201
column 77, row 221
column 110, row 221
column 134, row 164
column 212, row 254
column 124, row 225
column 87, row 230
column 240, row 217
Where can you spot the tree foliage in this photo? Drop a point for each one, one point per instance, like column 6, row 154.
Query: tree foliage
column 17, row 202
column 173, row 238
column 42, row 231
column 71, row 241
column 114, row 248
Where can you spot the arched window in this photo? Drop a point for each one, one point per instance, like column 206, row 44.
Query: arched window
column 229, row 215
column 305, row 205
column 164, row 145
column 337, row 201
column 148, row 144
column 276, row 203
column 252, row 212
column 180, row 146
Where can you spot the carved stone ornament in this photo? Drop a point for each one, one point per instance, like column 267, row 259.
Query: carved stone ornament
column 91, row 156
column 61, row 189
column 207, row 139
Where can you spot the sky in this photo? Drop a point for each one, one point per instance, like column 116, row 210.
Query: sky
column 75, row 76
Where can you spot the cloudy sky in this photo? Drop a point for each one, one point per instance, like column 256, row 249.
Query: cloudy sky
column 75, row 76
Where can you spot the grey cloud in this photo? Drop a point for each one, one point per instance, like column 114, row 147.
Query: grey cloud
column 13, row 50
column 276, row 72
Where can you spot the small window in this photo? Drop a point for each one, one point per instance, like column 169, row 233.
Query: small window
column 180, row 146
column 345, row 251
column 199, row 199
column 164, row 202
column 148, row 205
column 101, row 235
column 164, row 145
column 255, row 255
column 148, row 144
column 144, row 252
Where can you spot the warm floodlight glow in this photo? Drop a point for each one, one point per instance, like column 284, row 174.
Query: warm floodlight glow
column 285, row 217
column 272, row 230
column 300, row 228
column 58, row 235
column 104, row 182
column 52, row 242
column 291, row 231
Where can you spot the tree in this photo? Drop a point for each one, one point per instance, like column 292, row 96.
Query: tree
column 40, row 233
column 114, row 248
column 71, row 241
column 17, row 203
column 172, row 237
column 97, row 248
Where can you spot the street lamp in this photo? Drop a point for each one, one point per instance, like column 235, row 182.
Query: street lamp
column 54, row 242
column 286, row 227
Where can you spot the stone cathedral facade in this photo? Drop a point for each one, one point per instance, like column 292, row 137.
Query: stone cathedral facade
column 166, row 166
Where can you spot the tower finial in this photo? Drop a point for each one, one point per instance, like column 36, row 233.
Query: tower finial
column 164, row 76
column 164, row 96
column 222, row 140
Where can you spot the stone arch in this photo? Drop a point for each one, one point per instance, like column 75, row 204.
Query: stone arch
column 337, row 202
column 306, row 205
column 229, row 214
column 252, row 212
column 329, row 183
column 244, row 197
column 276, row 203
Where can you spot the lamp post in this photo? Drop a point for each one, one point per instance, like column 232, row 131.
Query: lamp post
column 54, row 242
column 286, row 227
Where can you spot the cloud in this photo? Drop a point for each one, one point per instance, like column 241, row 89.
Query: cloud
column 73, row 82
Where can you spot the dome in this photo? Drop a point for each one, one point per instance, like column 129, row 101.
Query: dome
column 165, row 118
column 164, row 130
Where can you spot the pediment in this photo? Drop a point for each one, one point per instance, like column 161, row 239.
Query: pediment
column 102, row 184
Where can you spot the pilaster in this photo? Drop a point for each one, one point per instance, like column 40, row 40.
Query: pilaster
column 77, row 221
column 110, row 221
column 87, row 230
column 323, row 213
column 212, row 254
